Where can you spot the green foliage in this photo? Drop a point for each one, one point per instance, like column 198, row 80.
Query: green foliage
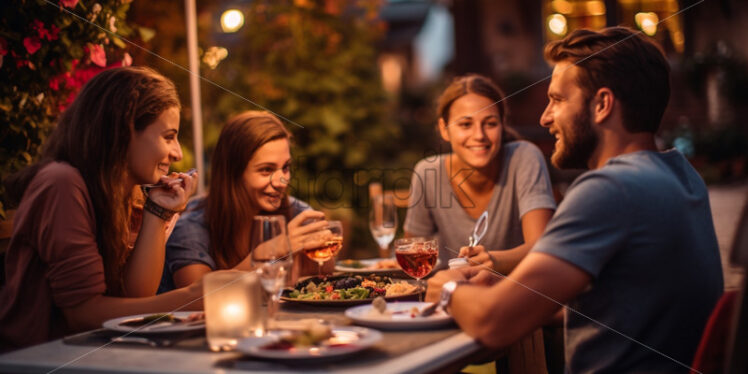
column 316, row 67
column 46, row 55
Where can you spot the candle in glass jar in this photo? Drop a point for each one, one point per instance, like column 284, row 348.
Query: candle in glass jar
column 233, row 308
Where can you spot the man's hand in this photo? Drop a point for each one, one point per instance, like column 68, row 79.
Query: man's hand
column 434, row 289
column 485, row 278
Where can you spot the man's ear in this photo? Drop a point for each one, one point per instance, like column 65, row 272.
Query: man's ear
column 602, row 105
column 443, row 130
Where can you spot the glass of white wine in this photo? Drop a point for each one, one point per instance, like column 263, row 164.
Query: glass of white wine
column 271, row 256
column 383, row 222
column 324, row 244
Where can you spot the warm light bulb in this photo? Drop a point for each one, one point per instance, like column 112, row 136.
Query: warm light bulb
column 647, row 22
column 232, row 20
column 557, row 24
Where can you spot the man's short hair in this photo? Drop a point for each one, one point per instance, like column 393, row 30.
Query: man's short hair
column 626, row 62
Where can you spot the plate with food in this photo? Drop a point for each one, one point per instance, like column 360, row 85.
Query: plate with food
column 158, row 323
column 350, row 289
column 369, row 265
column 403, row 315
column 317, row 342
column 382, row 266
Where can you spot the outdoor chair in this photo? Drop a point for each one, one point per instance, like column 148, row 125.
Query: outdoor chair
column 724, row 342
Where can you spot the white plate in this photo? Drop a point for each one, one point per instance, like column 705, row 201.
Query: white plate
column 339, row 266
column 153, row 328
column 371, row 262
column 361, row 315
column 355, row 339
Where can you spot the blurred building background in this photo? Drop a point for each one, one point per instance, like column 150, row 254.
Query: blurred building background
column 355, row 81
column 368, row 116
column 705, row 42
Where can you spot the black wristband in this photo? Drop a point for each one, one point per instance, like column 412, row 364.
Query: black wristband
column 158, row 210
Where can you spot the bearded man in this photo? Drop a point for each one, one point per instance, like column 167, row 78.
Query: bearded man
column 630, row 256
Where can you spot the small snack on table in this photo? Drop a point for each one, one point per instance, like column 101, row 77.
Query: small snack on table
column 379, row 310
column 314, row 334
column 158, row 317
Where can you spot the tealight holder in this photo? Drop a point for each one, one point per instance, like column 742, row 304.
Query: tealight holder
column 233, row 308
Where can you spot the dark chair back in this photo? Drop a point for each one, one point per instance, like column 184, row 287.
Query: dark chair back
column 737, row 345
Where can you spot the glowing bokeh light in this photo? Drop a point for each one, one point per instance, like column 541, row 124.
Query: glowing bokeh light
column 557, row 24
column 232, row 20
column 647, row 22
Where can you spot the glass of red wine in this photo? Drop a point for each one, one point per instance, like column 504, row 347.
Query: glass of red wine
column 417, row 257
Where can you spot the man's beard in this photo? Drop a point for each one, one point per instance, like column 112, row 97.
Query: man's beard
column 577, row 144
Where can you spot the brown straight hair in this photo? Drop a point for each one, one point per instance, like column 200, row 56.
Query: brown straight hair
column 628, row 63
column 479, row 85
column 229, row 209
column 93, row 136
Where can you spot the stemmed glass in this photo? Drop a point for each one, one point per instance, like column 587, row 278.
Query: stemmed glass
column 271, row 256
column 324, row 244
column 383, row 222
column 417, row 257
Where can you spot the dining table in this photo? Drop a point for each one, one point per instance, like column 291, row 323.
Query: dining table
column 428, row 350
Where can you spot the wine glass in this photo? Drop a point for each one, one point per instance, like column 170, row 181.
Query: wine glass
column 271, row 256
column 324, row 244
column 417, row 257
column 383, row 222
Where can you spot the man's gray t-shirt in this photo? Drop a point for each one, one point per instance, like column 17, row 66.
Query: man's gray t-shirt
column 641, row 226
column 523, row 185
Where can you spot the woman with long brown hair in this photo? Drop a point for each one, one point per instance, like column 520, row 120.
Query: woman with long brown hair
column 488, row 170
column 69, row 266
column 250, row 172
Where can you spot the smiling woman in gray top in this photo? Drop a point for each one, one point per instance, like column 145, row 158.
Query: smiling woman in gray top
column 487, row 170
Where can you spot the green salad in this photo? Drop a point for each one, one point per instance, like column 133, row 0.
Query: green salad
column 347, row 288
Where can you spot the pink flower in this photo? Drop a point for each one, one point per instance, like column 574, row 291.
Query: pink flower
column 69, row 3
column 97, row 54
column 126, row 60
column 54, row 83
column 32, row 44
column 53, row 33
column 43, row 33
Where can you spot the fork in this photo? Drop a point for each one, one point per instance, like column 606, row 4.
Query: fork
column 482, row 225
column 425, row 312
column 148, row 187
column 429, row 310
column 142, row 340
column 167, row 324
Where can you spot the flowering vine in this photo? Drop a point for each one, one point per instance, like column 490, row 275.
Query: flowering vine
column 46, row 56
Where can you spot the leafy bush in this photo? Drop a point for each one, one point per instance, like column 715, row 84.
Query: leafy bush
column 46, row 55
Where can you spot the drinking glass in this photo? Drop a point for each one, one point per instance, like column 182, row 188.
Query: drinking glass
column 383, row 222
column 324, row 244
column 417, row 257
column 271, row 256
column 233, row 308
